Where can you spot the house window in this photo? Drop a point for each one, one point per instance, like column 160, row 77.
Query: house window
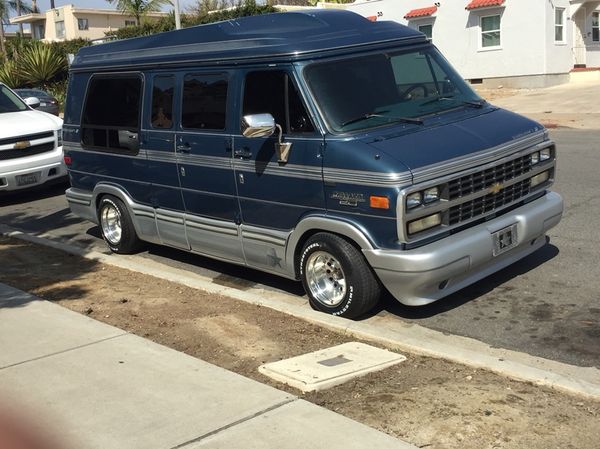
column 427, row 30
column 596, row 26
column 111, row 116
column 60, row 29
column 39, row 32
column 130, row 23
column 82, row 24
column 204, row 101
column 559, row 25
column 490, row 31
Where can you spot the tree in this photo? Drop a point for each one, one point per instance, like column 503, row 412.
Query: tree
column 5, row 7
column 138, row 8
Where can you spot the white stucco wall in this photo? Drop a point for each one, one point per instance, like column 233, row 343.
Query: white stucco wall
column 559, row 55
column 457, row 33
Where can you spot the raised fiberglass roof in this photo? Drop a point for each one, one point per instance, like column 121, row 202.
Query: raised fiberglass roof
column 291, row 35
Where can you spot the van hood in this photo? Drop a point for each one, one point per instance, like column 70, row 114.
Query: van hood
column 432, row 145
column 15, row 124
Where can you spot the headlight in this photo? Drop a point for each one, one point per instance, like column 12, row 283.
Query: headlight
column 541, row 156
column 413, row 200
column 60, row 139
column 545, row 154
column 422, row 224
column 431, row 195
column 540, row 179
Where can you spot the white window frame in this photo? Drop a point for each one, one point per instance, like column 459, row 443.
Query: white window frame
column 561, row 25
column 426, row 24
column 129, row 23
column 481, row 33
column 83, row 20
column 63, row 32
column 597, row 26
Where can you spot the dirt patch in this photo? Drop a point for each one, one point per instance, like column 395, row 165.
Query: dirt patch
column 428, row 402
column 492, row 95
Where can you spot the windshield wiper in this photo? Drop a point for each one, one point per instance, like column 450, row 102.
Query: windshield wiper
column 474, row 104
column 416, row 121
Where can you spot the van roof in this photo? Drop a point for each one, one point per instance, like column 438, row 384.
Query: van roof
column 271, row 37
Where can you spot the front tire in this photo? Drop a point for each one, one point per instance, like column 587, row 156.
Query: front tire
column 336, row 277
column 116, row 226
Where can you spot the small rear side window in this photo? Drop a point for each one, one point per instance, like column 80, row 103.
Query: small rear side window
column 162, row 101
column 111, row 116
column 204, row 101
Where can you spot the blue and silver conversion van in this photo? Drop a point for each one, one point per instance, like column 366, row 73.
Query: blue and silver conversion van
column 318, row 146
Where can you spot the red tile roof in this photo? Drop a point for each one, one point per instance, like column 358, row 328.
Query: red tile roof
column 484, row 3
column 421, row 12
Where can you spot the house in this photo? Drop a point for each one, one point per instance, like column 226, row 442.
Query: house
column 70, row 22
column 518, row 43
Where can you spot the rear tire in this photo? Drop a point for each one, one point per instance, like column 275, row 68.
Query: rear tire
column 336, row 277
column 117, row 227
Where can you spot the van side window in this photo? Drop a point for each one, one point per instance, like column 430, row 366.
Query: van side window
column 274, row 92
column 111, row 116
column 162, row 101
column 204, row 102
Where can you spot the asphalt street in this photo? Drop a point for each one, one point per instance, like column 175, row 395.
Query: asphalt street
column 547, row 305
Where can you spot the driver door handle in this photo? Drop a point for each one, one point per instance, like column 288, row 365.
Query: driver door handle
column 183, row 148
column 243, row 153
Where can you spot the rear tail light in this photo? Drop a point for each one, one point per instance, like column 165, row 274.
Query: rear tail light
column 68, row 160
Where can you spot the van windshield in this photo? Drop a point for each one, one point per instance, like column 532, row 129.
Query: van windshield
column 378, row 89
column 10, row 102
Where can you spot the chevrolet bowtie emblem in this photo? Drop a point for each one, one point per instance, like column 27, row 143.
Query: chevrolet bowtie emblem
column 22, row 145
column 496, row 188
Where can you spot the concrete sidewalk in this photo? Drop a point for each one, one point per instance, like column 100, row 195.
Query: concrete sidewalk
column 100, row 387
column 573, row 105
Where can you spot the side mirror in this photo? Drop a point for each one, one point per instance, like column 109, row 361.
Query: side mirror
column 32, row 102
column 258, row 125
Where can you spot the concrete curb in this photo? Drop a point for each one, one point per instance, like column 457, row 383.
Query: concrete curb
column 401, row 336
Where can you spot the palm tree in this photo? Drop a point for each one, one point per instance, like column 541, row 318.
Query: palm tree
column 5, row 7
column 138, row 8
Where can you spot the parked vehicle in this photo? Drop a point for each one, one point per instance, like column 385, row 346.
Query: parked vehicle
column 30, row 144
column 317, row 146
column 48, row 103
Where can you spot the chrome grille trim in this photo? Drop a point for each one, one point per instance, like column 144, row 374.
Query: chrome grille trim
column 468, row 196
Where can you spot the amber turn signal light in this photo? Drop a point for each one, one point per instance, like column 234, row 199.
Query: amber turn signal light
column 380, row 202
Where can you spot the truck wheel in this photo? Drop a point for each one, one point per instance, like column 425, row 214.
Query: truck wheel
column 336, row 277
column 116, row 226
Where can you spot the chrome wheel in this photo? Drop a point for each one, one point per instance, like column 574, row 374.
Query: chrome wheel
column 325, row 278
column 110, row 220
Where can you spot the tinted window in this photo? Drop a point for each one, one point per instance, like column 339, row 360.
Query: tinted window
column 9, row 102
column 374, row 90
column 204, row 102
column 111, row 117
column 162, row 102
column 274, row 92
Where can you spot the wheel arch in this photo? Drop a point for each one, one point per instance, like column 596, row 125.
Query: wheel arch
column 103, row 189
column 312, row 225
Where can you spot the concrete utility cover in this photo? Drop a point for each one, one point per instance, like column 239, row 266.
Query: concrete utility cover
column 329, row 367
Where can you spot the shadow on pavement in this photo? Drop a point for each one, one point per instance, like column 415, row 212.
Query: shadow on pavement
column 390, row 305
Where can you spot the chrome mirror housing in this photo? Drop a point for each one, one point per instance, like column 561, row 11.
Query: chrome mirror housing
column 258, row 125
column 32, row 102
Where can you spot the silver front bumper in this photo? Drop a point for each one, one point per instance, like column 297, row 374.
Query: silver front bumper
column 424, row 275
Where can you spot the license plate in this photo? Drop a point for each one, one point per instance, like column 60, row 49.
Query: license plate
column 505, row 239
column 30, row 178
column 42, row 104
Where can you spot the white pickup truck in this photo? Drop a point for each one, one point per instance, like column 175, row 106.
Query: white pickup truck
column 30, row 144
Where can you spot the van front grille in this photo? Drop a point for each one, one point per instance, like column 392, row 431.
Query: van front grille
column 476, row 182
column 488, row 203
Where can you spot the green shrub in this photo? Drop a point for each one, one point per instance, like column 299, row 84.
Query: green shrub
column 40, row 64
column 9, row 74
